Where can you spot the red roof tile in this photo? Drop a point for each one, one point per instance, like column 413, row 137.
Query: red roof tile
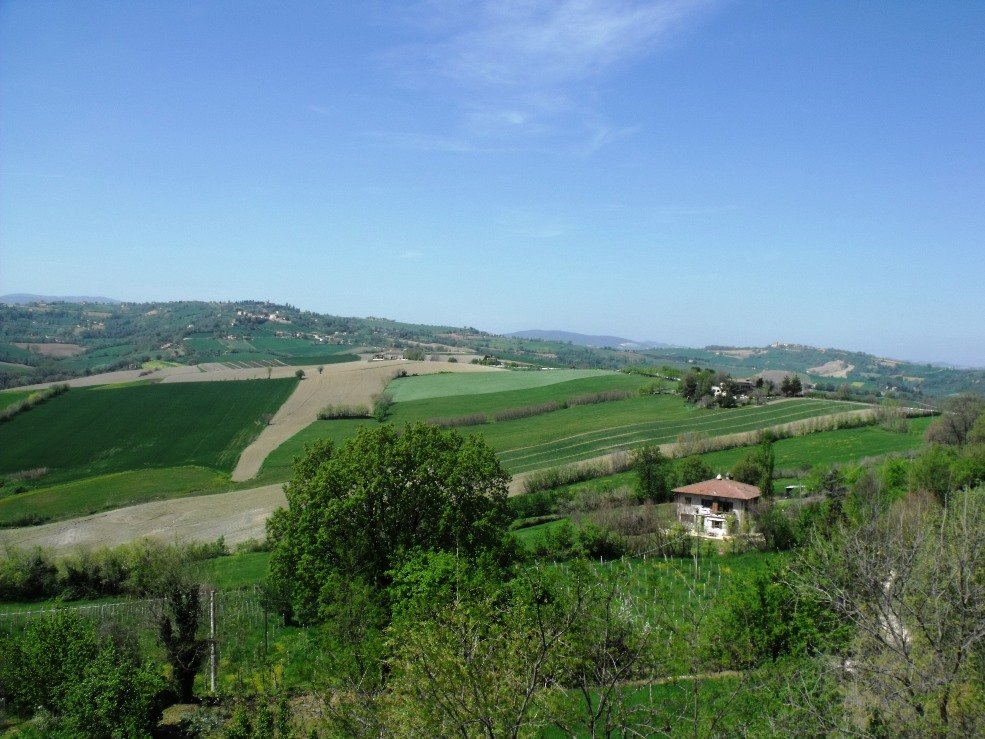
column 721, row 489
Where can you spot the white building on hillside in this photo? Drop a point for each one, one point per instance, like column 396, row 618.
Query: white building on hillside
column 705, row 506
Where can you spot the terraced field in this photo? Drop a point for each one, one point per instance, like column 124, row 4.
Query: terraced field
column 534, row 443
column 562, row 436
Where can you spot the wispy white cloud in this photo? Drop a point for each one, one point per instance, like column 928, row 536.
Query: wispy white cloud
column 411, row 255
column 531, row 43
column 528, row 68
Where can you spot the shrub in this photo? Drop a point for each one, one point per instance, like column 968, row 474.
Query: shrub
column 62, row 667
column 554, row 477
column 540, row 503
column 382, row 404
column 330, row 412
column 604, row 396
column 27, row 576
column 512, row 414
column 473, row 419
column 564, row 541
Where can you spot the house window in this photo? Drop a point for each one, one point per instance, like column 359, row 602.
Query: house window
column 716, row 524
column 725, row 506
column 706, row 502
column 687, row 500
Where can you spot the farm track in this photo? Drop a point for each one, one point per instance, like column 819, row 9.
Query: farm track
column 352, row 383
column 237, row 516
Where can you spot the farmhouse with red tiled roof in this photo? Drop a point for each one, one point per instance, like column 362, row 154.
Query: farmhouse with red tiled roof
column 706, row 506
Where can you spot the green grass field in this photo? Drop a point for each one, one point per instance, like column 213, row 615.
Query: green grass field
column 106, row 492
column 456, row 383
column 291, row 347
column 832, row 447
column 96, row 431
column 235, row 571
column 563, row 436
column 843, row 446
column 9, row 397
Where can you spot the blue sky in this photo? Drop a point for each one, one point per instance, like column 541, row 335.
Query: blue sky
column 689, row 172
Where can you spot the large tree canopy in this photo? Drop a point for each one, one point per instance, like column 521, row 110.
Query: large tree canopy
column 357, row 511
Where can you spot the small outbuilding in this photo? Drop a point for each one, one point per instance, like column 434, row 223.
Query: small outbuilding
column 706, row 506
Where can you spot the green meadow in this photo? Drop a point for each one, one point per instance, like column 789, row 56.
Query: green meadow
column 106, row 492
column 423, row 387
column 562, row 436
column 842, row 446
column 9, row 397
column 89, row 432
column 832, row 447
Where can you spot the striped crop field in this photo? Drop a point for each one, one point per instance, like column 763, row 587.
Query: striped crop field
column 425, row 387
column 535, row 443
column 568, row 434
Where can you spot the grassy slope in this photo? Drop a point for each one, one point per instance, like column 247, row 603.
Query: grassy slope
column 9, row 397
column 832, row 447
column 106, row 492
column 843, row 446
column 587, row 431
column 436, row 386
column 97, row 431
column 563, row 436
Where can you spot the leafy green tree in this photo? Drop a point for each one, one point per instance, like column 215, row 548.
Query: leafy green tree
column 757, row 467
column 932, row 472
column 776, row 527
column 689, row 470
column 299, row 374
column 976, row 435
column 359, row 510
column 652, row 470
column 177, row 630
column 763, row 619
column 791, row 385
column 89, row 686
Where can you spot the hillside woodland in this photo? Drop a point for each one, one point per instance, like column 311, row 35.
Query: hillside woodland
column 43, row 342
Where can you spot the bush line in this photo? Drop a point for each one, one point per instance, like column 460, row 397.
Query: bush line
column 330, row 412
column 473, row 419
column 32, row 400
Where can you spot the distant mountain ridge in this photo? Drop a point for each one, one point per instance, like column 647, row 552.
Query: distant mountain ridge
column 599, row 342
column 26, row 298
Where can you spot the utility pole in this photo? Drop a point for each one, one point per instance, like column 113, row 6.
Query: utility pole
column 213, row 644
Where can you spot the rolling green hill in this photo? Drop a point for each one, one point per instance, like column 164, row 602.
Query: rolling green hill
column 53, row 341
column 568, row 434
column 96, row 431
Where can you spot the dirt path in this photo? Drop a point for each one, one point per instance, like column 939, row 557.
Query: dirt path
column 236, row 516
column 352, row 383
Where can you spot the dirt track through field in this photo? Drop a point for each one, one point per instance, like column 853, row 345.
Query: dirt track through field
column 352, row 383
column 236, row 516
